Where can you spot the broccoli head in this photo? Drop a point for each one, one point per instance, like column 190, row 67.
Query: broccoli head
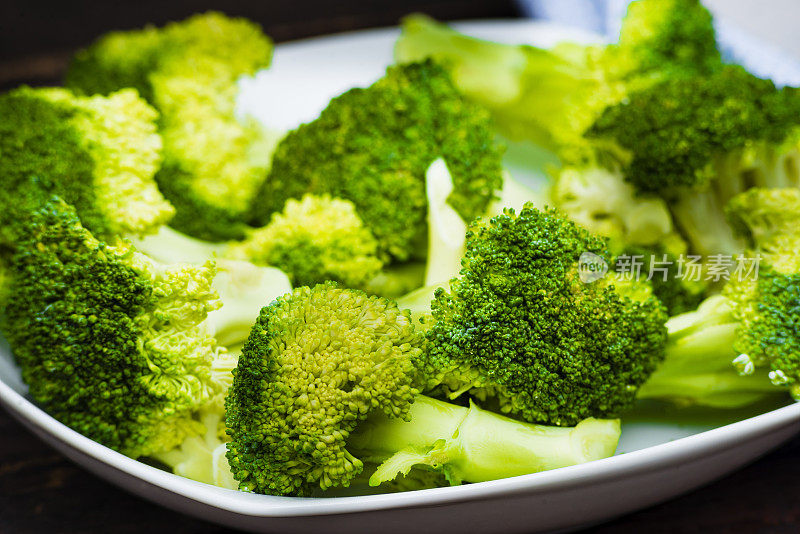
column 697, row 142
column 315, row 239
column 327, row 384
column 372, row 147
column 110, row 343
column 97, row 153
column 317, row 362
column 524, row 327
column 671, row 35
column 188, row 71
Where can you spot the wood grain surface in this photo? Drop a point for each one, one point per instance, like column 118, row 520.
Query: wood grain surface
column 42, row 492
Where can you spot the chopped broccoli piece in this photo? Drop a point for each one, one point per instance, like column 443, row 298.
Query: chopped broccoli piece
column 97, row 153
column 188, row 70
column 698, row 368
column 697, row 142
column 521, row 327
column 738, row 346
column 372, row 146
column 552, row 96
column 659, row 35
column 677, row 291
column 601, row 201
column 327, row 381
column 315, row 239
column 110, row 343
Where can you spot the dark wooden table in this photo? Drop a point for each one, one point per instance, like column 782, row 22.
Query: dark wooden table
column 40, row 491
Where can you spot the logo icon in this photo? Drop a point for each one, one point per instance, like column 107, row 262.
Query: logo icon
column 591, row 267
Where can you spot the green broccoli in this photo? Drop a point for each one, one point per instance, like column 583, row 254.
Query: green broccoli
column 527, row 327
column 697, row 142
column 372, row 147
column 327, row 381
column 738, row 346
column 97, row 153
column 201, row 456
column 110, row 342
column 677, row 291
column 552, row 96
column 601, row 201
column 188, row 70
column 315, row 239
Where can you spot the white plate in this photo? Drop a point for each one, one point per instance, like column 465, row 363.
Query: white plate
column 656, row 460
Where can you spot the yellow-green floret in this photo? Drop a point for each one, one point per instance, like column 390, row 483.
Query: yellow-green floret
column 317, row 362
column 98, row 153
column 523, row 325
column 372, row 147
column 188, row 71
column 109, row 342
column 314, row 239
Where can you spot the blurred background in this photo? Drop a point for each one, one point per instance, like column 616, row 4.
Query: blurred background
column 38, row 36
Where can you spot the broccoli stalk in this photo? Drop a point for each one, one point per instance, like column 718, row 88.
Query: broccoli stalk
column 446, row 229
column 699, row 365
column 552, row 96
column 327, row 381
column 475, row 445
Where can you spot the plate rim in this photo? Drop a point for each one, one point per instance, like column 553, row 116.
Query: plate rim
column 647, row 459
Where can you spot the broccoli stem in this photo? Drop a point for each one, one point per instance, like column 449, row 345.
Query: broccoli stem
column 699, row 368
column 701, row 217
column 474, row 445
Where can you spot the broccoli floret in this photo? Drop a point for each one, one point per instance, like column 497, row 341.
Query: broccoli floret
column 552, row 96
column 738, row 346
column 523, row 327
column 97, row 153
column 671, row 35
column 110, row 343
column 601, row 201
column 372, row 146
column 188, row 70
column 678, row 292
column 697, row 142
column 315, row 239
column 327, row 382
